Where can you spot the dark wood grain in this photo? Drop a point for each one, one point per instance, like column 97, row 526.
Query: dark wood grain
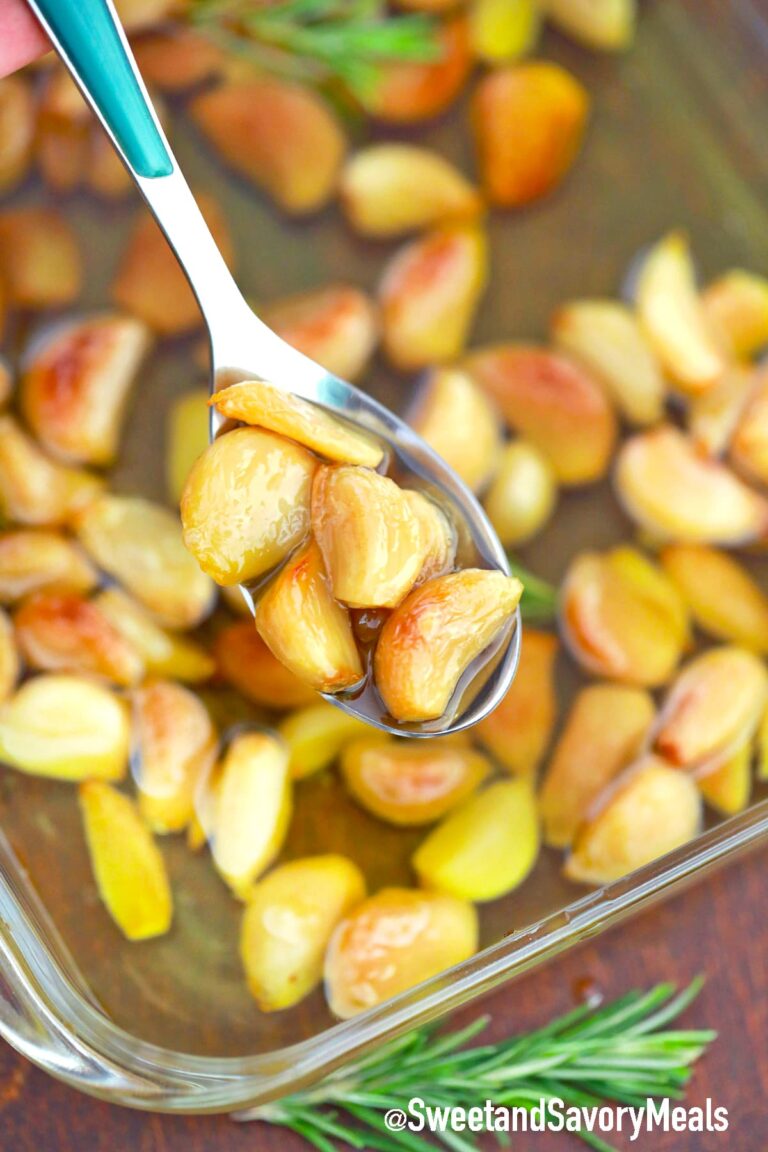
column 718, row 928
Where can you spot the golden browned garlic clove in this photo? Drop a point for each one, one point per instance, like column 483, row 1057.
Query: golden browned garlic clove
column 528, row 121
column 522, row 495
column 392, row 941
column 518, row 732
column 245, row 662
column 337, row 326
column 486, row 847
column 150, row 283
column 246, row 504
column 175, row 747
column 139, row 543
column 288, row 922
column 177, row 59
column 604, row 25
column 713, row 416
column 127, row 866
column 42, row 561
column 391, row 189
column 713, row 707
column 722, row 597
column 432, row 638
column 605, row 336
column 503, row 30
column 604, row 732
column 736, row 307
column 40, row 258
column 34, row 489
column 281, row 136
column 252, row 809
column 62, row 632
column 17, row 130
column 186, row 438
column 371, row 541
column 728, row 788
column 748, row 446
column 429, row 293
column 438, row 538
column 65, row 728
column 459, row 422
column 164, row 653
column 675, row 491
column 408, row 92
column 257, row 403
column 75, row 390
column 553, row 402
column 316, row 734
column 652, row 810
column 411, row 782
column 673, row 319
column 622, row 617
column 306, row 628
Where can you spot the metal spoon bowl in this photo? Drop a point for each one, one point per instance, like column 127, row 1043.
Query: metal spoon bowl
column 91, row 42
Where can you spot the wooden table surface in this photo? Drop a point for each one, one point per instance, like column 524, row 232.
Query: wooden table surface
column 719, row 928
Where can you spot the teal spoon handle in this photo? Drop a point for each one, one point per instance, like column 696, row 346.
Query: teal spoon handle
column 88, row 36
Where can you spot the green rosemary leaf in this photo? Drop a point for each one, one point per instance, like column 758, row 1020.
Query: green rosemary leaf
column 539, row 601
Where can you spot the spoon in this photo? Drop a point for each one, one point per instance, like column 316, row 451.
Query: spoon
column 89, row 38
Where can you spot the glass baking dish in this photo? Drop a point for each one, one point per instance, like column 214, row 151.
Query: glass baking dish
column 679, row 137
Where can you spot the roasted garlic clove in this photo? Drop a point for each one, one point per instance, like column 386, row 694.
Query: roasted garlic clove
column 42, row 561
column 10, row 664
column 528, row 121
column 289, row 919
column 673, row 319
column 675, row 491
column 34, row 489
column 486, row 847
column 459, row 422
column 246, row 504
column 252, row 809
column 518, row 732
column 283, row 137
column 411, row 91
column 438, row 538
column 712, row 708
column 503, row 30
column 17, row 130
column 411, row 782
column 316, row 735
column 728, row 788
column 429, row 293
column 175, row 747
column 604, row 25
column 522, row 495
column 62, row 632
column 306, row 628
column 64, row 127
column 75, row 390
column 432, row 638
column 150, row 283
column 371, row 541
column 186, row 439
column 748, row 448
column 127, row 866
column 651, row 811
column 607, row 339
column 40, row 258
column 553, row 402
column 245, row 662
column 139, row 543
column 622, row 618
column 392, row 189
column 721, row 596
column 392, row 941
column 257, row 403
column 178, row 59
column 163, row 653
column 736, row 307
column 713, row 416
column 66, row 728
column 605, row 731
column 337, row 326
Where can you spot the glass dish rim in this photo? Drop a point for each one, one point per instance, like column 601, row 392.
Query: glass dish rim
column 49, row 1016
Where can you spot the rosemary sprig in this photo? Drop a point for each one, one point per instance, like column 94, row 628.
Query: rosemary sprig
column 539, row 602
column 621, row 1052
column 317, row 40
